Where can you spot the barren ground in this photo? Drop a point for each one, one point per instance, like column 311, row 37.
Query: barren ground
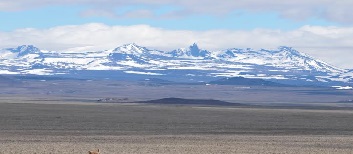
column 76, row 127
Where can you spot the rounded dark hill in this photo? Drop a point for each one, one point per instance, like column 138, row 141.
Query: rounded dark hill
column 183, row 101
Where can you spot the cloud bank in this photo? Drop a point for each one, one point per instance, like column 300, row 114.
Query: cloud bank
column 331, row 44
column 330, row 10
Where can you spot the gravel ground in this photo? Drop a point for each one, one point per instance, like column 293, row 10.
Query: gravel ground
column 136, row 128
column 198, row 144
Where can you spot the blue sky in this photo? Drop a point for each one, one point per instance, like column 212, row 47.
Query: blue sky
column 321, row 28
column 241, row 19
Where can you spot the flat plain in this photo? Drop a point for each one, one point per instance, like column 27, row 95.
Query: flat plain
column 42, row 119
column 138, row 128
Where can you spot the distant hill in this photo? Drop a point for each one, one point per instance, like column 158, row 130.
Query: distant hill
column 182, row 101
column 246, row 82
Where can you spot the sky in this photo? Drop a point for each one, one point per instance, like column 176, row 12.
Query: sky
column 320, row 28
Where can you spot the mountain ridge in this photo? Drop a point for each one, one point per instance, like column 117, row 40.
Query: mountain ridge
column 192, row 63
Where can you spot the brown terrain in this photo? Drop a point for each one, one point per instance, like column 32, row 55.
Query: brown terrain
column 39, row 118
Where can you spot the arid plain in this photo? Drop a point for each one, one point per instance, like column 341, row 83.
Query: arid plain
column 37, row 117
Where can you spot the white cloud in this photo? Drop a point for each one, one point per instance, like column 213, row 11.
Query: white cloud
column 332, row 10
column 331, row 44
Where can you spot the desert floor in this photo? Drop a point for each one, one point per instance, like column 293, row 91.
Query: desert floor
column 76, row 127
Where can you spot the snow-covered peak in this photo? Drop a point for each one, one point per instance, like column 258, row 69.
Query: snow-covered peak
column 283, row 57
column 25, row 50
column 289, row 51
column 131, row 48
column 281, row 63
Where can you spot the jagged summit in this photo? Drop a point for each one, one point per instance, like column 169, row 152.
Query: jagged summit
column 193, row 51
column 197, row 52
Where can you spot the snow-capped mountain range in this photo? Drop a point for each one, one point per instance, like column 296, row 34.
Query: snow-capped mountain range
column 285, row 64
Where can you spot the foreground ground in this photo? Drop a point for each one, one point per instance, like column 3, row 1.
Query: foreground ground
column 200, row 144
column 76, row 127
